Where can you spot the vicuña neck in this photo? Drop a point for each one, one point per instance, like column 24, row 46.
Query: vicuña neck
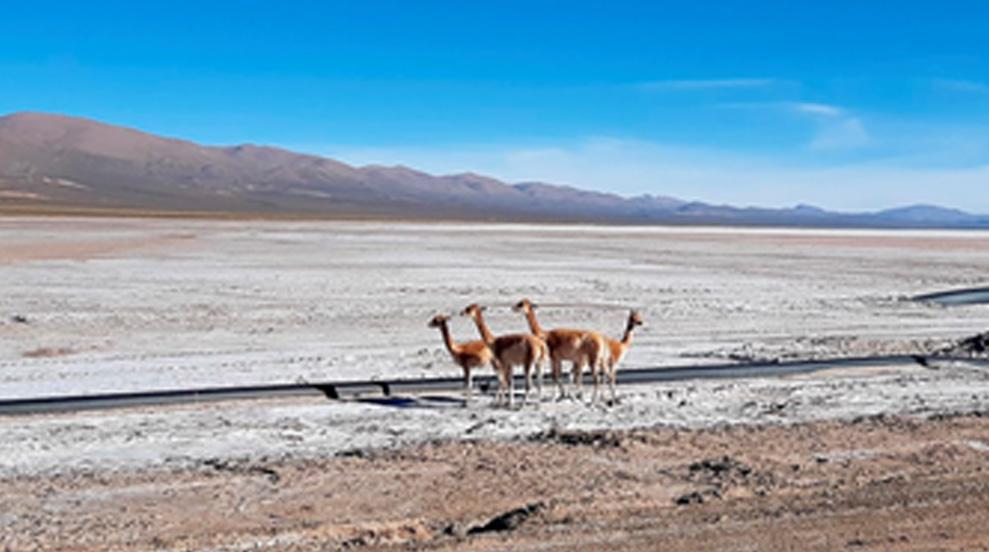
column 482, row 327
column 534, row 326
column 627, row 338
column 448, row 339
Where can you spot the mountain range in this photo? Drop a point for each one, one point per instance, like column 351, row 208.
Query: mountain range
column 56, row 162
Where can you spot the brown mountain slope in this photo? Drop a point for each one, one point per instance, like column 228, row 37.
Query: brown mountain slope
column 58, row 160
column 57, row 163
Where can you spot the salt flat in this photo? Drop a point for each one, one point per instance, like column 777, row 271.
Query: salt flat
column 103, row 305
column 126, row 304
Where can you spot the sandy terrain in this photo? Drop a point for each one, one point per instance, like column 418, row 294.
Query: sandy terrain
column 879, row 483
column 890, row 458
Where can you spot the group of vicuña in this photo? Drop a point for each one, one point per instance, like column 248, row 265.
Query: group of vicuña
column 579, row 347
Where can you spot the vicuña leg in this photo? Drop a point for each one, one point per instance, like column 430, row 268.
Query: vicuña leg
column 528, row 382
column 500, row 374
column 539, row 381
column 612, row 376
column 596, row 373
column 557, row 369
column 578, row 379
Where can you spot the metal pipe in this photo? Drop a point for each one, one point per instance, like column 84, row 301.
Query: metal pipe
column 338, row 390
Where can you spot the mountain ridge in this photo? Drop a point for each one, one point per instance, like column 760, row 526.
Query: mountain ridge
column 59, row 160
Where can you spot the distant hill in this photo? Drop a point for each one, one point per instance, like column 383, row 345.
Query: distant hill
column 930, row 214
column 54, row 161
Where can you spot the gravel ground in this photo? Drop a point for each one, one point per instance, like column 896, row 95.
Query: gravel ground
column 876, row 483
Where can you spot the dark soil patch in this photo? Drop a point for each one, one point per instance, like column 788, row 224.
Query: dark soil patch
column 508, row 521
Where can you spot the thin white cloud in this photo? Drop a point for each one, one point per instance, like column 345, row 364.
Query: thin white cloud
column 800, row 108
column 835, row 128
column 820, row 109
column 706, row 84
column 961, row 85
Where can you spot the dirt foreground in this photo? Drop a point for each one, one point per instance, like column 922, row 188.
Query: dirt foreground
column 877, row 483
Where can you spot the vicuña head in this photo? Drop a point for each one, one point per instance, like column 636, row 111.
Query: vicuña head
column 523, row 306
column 473, row 309
column 635, row 319
column 438, row 320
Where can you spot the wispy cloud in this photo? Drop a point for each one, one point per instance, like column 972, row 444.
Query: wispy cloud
column 817, row 109
column 835, row 127
column 800, row 108
column 961, row 85
column 707, row 84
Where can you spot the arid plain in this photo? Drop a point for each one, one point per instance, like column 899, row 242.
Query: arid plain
column 836, row 459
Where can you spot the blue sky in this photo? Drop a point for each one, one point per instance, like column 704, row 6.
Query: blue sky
column 848, row 105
